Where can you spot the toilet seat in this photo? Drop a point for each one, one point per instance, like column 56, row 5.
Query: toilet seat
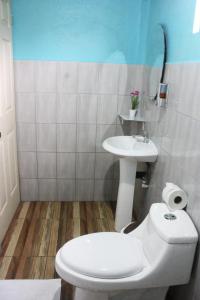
column 106, row 255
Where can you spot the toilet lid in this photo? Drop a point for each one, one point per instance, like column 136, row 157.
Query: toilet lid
column 104, row 255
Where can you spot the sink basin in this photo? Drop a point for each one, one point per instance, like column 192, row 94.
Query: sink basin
column 128, row 146
column 130, row 151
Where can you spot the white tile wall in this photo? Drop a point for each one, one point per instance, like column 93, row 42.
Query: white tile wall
column 65, row 110
column 130, row 78
column 123, row 104
column 47, row 190
column 108, row 78
column 25, row 107
column 88, row 78
column 46, row 137
column 104, row 166
column 104, row 132
column 27, row 165
column 87, row 109
column 84, row 190
column 107, row 109
column 66, row 138
column 45, row 77
column 67, row 77
column 24, row 76
column 176, row 134
column 26, row 137
column 66, row 165
column 66, row 190
column 85, row 165
column 29, row 189
column 103, row 190
column 86, row 138
column 46, row 165
column 46, row 108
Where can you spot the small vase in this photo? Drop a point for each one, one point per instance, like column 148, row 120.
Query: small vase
column 132, row 113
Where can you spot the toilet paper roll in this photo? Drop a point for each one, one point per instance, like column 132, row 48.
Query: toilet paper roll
column 174, row 197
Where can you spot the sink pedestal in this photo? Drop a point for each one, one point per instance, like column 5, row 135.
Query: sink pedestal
column 125, row 192
column 130, row 150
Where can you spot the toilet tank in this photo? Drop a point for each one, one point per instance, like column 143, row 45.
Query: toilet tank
column 174, row 227
column 169, row 242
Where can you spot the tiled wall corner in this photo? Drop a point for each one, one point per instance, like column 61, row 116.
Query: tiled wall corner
column 64, row 112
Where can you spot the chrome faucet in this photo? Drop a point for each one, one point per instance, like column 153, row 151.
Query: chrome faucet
column 145, row 133
column 144, row 137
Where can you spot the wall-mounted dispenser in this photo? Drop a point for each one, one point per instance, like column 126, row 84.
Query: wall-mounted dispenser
column 162, row 95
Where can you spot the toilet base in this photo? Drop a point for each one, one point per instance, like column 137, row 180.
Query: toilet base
column 80, row 294
column 138, row 294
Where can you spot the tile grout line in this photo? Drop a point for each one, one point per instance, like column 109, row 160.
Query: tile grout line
column 95, row 160
column 36, row 130
column 57, row 70
column 76, row 146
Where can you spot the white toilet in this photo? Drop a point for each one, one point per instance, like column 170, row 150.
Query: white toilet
column 140, row 265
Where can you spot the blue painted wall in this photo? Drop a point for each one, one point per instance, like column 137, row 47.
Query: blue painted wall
column 178, row 17
column 111, row 31
column 77, row 30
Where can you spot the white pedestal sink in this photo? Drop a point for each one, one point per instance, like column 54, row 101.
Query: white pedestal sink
column 130, row 151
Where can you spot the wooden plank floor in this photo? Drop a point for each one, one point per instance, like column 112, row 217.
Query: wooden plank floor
column 39, row 229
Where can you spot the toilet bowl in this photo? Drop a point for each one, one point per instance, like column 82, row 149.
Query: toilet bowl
column 140, row 265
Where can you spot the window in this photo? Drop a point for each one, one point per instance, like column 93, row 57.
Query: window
column 196, row 25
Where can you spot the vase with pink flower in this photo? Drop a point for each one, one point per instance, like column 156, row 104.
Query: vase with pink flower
column 134, row 104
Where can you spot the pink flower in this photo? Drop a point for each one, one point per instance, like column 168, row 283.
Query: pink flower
column 135, row 93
